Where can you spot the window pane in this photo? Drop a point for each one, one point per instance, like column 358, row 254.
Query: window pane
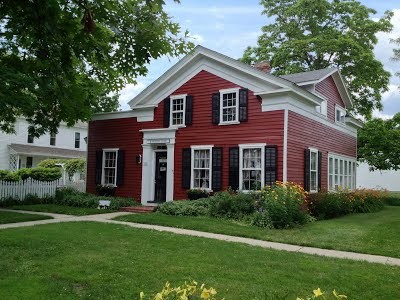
column 313, row 161
column 313, row 181
column 330, row 166
column 251, row 180
column 201, row 169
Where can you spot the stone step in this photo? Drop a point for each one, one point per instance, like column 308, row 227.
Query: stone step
column 138, row 209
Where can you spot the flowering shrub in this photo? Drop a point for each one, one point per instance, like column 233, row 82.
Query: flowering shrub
column 285, row 204
column 320, row 294
column 186, row 291
column 327, row 205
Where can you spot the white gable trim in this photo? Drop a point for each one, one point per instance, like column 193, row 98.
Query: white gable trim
column 220, row 65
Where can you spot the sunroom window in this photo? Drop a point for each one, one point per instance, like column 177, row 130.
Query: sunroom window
column 341, row 173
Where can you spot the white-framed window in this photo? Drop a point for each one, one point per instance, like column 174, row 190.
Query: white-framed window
column 251, row 166
column 314, row 170
column 340, row 114
column 177, row 111
column 323, row 108
column 109, row 172
column 201, row 167
column 341, row 172
column 229, row 106
column 77, row 140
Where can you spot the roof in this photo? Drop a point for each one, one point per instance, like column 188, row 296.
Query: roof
column 151, row 91
column 309, row 76
column 47, row 151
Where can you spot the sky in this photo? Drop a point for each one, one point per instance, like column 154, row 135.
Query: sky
column 229, row 26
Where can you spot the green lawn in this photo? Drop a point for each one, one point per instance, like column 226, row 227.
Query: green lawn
column 14, row 217
column 374, row 233
column 61, row 209
column 106, row 261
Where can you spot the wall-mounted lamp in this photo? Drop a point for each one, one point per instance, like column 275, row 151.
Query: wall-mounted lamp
column 138, row 159
column 85, row 139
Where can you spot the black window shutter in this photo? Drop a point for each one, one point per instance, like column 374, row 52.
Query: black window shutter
column 319, row 170
column 120, row 167
column 243, row 104
column 307, row 170
column 99, row 166
column 271, row 164
column 186, row 167
column 215, row 108
column 167, row 108
column 217, row 169
column 234, row 168
column 189, row 110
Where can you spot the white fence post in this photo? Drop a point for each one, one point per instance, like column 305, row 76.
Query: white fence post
column 21, row 189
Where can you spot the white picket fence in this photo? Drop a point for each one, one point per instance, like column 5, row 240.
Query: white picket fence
column 20, row 189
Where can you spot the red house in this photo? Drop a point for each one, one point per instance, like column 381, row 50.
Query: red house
column 211, row 122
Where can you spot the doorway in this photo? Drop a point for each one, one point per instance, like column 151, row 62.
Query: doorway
column 160, row 183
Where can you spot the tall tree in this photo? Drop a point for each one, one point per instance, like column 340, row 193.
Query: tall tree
column 396, row 52
column 306, row 35
column 61, row 59
column 379, row 143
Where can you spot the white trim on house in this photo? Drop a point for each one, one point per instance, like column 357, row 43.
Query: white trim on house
column 143, row 113
column 230, row 69
column 193, row 149
column 221, row 107
column 171, row 111
column 109, row 150
column 285, row 144
column 291, row 105
column 251, row 146
column 151, row 139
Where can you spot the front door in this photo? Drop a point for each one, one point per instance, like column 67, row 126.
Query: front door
column 161, row 177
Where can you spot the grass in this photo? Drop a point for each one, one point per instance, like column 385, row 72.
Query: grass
column 14, row 217
column 106, row 261
column 61, row 209
column 373, row 233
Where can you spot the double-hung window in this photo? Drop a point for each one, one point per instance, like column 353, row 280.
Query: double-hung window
column 341, row 173
column 313, row 170
column 229, row 106
column 77, row 140
column 340, row 114
column 52, row 139
column 201, row 167
column 109, row 174
column 251, row 166
column 178, row 104
column 30, row 138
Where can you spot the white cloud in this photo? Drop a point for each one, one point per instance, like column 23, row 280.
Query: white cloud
column 129, row 92
column 197, row 38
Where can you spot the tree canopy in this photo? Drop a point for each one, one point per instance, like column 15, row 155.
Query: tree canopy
column 62, row 59
column 396, row 53
column 307, row 35
column 379, row 143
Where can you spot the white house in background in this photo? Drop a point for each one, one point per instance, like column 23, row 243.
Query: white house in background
column 389, row 180
column 21, row 150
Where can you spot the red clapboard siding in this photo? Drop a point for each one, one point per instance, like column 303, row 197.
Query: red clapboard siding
column 328, row 88
column 304, row 133
column 124, row 134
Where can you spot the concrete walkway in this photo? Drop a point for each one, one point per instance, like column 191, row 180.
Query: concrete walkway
column 107, row 218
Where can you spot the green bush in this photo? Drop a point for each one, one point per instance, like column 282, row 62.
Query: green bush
column 71, row 197
column 285, row 204
column 262, row 219
column 194, row 194
column 392, row 200
column 328, row 205
column 6, row 175
column 45, row 174
column 51, row 163
column 227, row 205
column 105, row 190
column 76, row 165
column 185, row 208
column 24, row 173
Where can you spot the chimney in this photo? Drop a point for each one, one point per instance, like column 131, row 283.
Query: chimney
column 263, row 66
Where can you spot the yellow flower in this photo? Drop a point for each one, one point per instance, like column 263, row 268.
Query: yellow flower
column 205, row 294
column 339, row 296
column 317, row 293
column 141, row 295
